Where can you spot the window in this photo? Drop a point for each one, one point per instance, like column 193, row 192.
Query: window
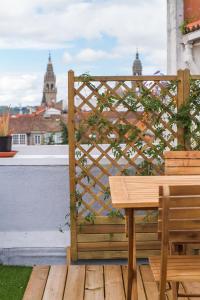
column 37, row 139
column 19, row 139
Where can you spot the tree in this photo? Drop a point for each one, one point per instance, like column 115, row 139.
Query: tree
column 64, row 133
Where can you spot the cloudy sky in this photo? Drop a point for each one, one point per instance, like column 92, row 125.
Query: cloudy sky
column 95, row 36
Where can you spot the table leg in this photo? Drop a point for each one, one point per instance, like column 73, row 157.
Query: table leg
column 132, row 266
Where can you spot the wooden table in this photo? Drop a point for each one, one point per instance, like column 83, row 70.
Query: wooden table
column 140, row 192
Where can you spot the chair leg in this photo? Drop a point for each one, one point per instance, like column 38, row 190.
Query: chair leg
column 175, row 286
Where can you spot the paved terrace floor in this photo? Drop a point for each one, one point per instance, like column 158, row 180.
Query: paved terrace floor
column 93, row 282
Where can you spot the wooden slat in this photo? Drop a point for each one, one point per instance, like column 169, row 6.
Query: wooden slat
column 101, row 237
column 101, row 220
column 115, row 254
column 74, row 289
column 182, row 170
column 187, row 213
column 114, row 288
column 117, row 246
column 115, row 237
column 188, row 162
column 102, row 229
column 56, row 283
column 37, row 283
column 192, row 225
column 128, row 78
column 94, row 284
column 182, row 154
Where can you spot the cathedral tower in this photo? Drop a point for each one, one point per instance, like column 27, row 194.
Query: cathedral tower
column 137, row 65
column 49, row 89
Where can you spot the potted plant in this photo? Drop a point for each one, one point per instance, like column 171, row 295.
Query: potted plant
column 5, row 137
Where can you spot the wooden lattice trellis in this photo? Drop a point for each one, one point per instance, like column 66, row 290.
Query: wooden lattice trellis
column 119, row 125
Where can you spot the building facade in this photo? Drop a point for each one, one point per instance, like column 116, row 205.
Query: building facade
column 37, row 129
column 183, row 35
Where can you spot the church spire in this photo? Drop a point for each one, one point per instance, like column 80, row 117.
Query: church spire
column 49, row 89
column 137, row 65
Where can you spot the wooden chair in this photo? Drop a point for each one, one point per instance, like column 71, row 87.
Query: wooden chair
column 182, row 163
column 178, row 221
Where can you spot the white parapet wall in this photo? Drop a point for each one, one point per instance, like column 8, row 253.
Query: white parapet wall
column 34, row 197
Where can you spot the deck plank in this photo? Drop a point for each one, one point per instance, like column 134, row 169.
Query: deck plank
column 141, row 293
column 94, row 283
column 74, row 289
column 149, row 283
column 114, row 287
column 191, row 288
column 37, row 283
column 55, row 283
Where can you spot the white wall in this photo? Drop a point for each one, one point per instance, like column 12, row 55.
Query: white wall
column 34, row 197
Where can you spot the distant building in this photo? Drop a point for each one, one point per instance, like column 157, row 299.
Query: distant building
column 43, row 124
column 49, row 89
column 183, row 35
column 37, row 128
column 137, row 65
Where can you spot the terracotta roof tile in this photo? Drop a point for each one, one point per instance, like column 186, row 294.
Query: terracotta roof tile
column 192, row 26
column 36, row 123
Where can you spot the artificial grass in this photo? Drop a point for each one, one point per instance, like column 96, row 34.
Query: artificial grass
column 13, row 282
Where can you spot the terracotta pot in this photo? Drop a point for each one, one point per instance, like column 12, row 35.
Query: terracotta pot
column 5, row 143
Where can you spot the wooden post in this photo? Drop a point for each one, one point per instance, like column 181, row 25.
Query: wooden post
column 182, row 97
column 74, row 254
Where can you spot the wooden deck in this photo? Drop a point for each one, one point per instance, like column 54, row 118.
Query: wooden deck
column 92, row 282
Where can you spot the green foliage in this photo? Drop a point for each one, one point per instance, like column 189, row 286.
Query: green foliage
column 90, row 217
column 150, row 102
column 51, row 139
column 182, row 27
column 64, row 134
column 151, row 216
column 107, row 194
column 115, row 213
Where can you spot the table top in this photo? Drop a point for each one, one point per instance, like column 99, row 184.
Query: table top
column 143, row 191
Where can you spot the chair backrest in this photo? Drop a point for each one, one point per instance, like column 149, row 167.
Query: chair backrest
column 179, row 213
column 182, row 163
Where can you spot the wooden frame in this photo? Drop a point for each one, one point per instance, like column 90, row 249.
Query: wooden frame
column 97, row 231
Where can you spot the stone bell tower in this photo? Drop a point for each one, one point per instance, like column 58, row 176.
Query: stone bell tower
column 137, row 65
column 49, row 89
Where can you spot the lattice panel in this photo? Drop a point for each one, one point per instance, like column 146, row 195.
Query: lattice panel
column 122, row 127
column 192, row 108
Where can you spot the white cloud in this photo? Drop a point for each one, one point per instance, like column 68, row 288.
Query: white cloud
column 26, row 89
column 89, row 55
column 18, row 89
column 55, row 23
column 67, row 58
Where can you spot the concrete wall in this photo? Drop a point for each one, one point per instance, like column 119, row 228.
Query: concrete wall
column 34, row 197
